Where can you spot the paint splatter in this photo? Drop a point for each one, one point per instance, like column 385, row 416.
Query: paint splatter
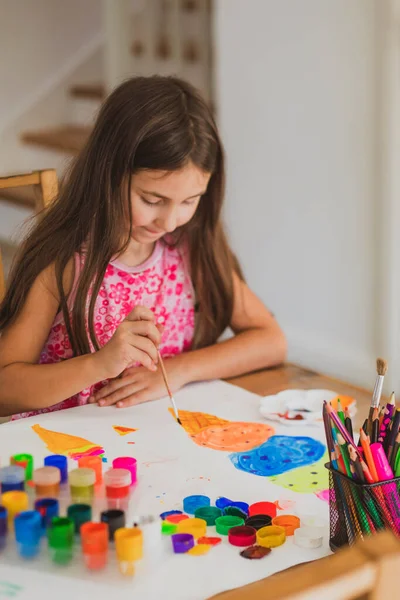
column 255, row 552
column 279, row 454
column 219, row 434
column 305, row 480
column 123, row 430
column 199, row 549
column 210, row 541
column 284, row 504
column 130, row 442
column 70, row 445
column 323, row 495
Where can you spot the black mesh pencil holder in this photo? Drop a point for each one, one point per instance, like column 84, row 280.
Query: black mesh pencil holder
column 357, row 510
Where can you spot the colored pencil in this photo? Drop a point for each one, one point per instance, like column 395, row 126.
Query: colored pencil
column 391, row 437
column 348, row 424
column 368, row 455
column 375, row 426
column 387, row 417
column 340, row 412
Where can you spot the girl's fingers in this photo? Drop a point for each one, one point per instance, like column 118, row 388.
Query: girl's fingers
column 146, row 346
column 140, row 313
column 121, row 394
column 111, row 387
column 145, row 329
column 138, row 398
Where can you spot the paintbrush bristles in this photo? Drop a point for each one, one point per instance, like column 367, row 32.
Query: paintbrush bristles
column 172, row 400
column 381, row 366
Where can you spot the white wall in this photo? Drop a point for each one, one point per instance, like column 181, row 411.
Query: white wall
column 296, row 92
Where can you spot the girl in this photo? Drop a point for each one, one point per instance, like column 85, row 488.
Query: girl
column 131, row 258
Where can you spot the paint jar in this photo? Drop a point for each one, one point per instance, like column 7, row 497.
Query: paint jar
column 47, row 508
column 59, row 461
column 60, row 535
column 47, row 482
column 115, row 519
column 3, row 527
column 95, row 463
column 182, row 542
column 127, row 462
column 117, row 483
column 129, row 548
column 271, row 536
column 94, row 540
column 79, row 514
column 258, row 521
column 81, row 482
column 28, row 533
column 15, row 502
column 12, row 478
column 26, row 462
column 225, row 523
column 208, row 513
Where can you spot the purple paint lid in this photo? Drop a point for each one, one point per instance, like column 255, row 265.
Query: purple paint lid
column 182, row 542
column 3, row 521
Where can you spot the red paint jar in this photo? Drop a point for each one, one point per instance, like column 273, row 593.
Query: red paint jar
column 117, row 483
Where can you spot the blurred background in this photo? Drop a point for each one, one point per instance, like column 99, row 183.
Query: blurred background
column 306, row 95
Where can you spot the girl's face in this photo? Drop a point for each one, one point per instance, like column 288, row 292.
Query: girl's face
column 161, row 201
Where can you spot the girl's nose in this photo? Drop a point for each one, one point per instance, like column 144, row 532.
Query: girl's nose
column 169, row 221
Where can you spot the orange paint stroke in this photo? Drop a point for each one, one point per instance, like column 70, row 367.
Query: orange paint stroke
column 123, row 430
column 64, row 443
column 219, row 434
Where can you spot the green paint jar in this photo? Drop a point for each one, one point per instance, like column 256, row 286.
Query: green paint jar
column 60, row 535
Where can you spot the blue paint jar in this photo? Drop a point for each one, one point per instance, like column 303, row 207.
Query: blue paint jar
column 192, row 503
column 12, row 478
column 59, row 461
column 28, row 532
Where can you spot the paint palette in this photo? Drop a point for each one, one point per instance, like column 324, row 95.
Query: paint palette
column 295, row 407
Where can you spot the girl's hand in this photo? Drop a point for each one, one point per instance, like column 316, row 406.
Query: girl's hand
column 135, row 340
column 138, row 385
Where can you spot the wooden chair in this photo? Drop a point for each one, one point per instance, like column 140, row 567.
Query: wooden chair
column 45, row 186
column 367, row 571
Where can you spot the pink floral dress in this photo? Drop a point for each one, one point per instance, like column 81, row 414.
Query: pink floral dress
column 162, row 283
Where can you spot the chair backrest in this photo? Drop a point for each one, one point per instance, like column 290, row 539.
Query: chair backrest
column 366, row 571
column 45, row 184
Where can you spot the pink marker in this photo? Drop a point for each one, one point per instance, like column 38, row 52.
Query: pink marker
column 389, row 490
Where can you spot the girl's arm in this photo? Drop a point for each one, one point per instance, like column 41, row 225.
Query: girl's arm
column 26, row 385
column 258, row 343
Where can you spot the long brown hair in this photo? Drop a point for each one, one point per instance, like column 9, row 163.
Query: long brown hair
column 146, row 123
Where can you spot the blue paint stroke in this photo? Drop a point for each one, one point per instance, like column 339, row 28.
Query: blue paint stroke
column 279, row 454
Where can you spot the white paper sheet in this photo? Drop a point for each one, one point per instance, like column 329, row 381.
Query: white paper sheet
column 170, row 467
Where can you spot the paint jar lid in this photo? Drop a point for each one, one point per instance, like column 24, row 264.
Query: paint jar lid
column 28, row 527
column 182, row 542
column 262, row 508
column 192, row 503
column 242, row 535
column 12, row 474
column 60, row 533
column 46, row 476
column 223, row 503
column 114, row 518
column 117, row 478
column 15, row 501
column 82, row 477
column 258, row 521
column 271, row 536
column 47, row 507
column 289, row 523
column 169, row 513
column 197, row 527
column 208, row 513
column 129, row 543
column 124, row 462
column 94, row 538
column 79, row 514
column 225, row 523
column 308, row 537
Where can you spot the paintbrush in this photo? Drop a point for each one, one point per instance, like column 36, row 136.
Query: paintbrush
column 381, row 368
column 164, row 374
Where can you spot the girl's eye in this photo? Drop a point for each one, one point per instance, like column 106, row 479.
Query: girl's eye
column 150, row 203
